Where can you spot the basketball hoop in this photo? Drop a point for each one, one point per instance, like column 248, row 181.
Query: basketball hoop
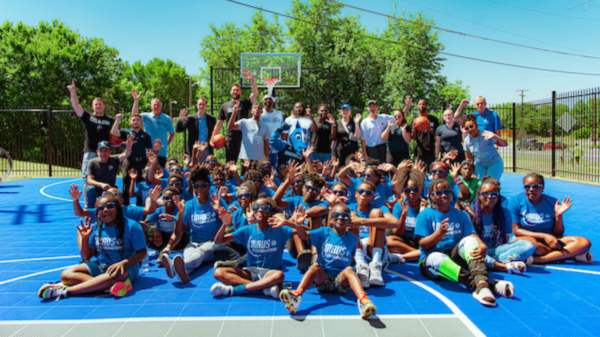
column 270, row 81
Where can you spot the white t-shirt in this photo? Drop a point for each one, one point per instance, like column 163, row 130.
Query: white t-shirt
column 372, row 129
column 272, row 121
column 254, row 135
column 305, row 123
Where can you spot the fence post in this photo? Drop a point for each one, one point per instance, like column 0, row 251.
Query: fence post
column 554, row 133
column 329, row 87
column 211, row 93
column 49, row 140
column 514, row 137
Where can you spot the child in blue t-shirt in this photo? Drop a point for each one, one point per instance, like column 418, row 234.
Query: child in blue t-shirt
column 333, row 270
column 161, row 224
column 117, row 243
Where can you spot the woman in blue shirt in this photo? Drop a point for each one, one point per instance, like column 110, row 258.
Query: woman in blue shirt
column 117, row 243
column 538, row 218
column 479, row 147
column 450, row 248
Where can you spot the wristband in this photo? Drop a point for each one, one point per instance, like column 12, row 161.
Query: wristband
column 150, row 231
column 458, row 180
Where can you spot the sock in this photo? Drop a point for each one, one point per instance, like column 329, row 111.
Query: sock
column 359, row 257
column 300, row 290
column 240, row 290
column 377, row 252
column 398, row 256
column 449, row 269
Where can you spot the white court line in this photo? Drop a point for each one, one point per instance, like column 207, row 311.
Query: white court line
column 455, row 310
column 34, row 274
column 41, row 258
column 60, row 182
column 568, row 269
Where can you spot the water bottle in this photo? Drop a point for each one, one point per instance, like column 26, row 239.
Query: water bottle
column 146, row 263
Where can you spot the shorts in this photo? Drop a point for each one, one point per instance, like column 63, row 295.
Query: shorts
column 331, row 284
column 87, row 156
column 96, row 268
column 410, row 241
column 258, row 272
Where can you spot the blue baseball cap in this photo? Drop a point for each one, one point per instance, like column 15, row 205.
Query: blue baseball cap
column 104, row 145
column 346, row 106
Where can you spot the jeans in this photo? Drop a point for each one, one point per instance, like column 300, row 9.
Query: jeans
column 518, row 250
column 87, row 156
column 194, row 254
column 91, row 194
column 322, row 157
column 493, row 170
column 273, row 157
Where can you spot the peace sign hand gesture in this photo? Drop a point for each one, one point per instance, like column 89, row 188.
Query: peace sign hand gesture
column 86, row 229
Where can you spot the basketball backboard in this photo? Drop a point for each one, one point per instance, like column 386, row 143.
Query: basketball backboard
column 283, row 66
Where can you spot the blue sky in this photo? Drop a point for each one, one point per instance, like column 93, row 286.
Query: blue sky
column 142, row 30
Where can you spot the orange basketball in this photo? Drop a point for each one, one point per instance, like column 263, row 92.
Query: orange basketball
column 114, row 140
column 218, row 141
column 421, row 123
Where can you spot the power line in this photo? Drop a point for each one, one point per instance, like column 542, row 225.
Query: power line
column 415, row 47
column 542, row 12
column 463, row 34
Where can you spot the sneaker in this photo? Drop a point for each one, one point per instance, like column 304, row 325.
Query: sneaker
column 304, row 259
column 375, row 278
column 226, row 264
column 503, row 288
column 50, row 290
column 585, row 257
column 159, row 260
column 179, row 267
column 366, row 307
column 485, row 297
column 395, row 258
column 291, row 298
column 121, row 288
column 516, row 267
column 362, row 270
column 221, row 289
column 272, row 291
column 529, row 261
column 168, row 264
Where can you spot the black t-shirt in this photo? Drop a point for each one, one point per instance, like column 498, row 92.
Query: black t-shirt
column 143, row 142
column 227, row 110
column 321, row 139
column 426, row 139
column 97, row 129
column 451, row 138
column 104, row 172
column 343, row 137
column 396, row 140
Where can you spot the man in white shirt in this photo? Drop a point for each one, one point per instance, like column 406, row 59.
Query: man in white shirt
column 271, row 119
column 372, row 128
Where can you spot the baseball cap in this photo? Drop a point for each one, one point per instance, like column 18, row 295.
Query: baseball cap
column 268, row 96
column 372, row 102
column 103, row 145
column 346, row 106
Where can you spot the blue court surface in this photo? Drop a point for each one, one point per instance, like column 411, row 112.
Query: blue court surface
column 38, row 240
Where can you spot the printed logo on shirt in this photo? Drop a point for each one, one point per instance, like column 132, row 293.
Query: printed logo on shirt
column 166, row 225
column 109, row 244
column 257, row 247
column 453, row 228
column 533, row 219
column 200, row 220
column 100, row 122
column 110, row 167
column 335, row 252
column 410, row 223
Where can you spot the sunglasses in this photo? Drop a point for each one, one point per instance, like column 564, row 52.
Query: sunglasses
column 264, row 167
column 281, row 168
column 369, row 175
column 343, row 215
column 145, row 171
column 442, row 192
column 409, row 190
column 297, row 181
column 263, row 208
column 492, row 195
column 246, row 195
column 218, row 180
column 200, row 185
column 168, row 198
column 255, row 180
column 534, row 186
column 212, row 161
column 176, row 170
column 111, row 205
column 362, row 191
column 176, row 184
column 438, row 171
column 340, row 193
column 397, row 116
column 470, row 127
column 311, row 188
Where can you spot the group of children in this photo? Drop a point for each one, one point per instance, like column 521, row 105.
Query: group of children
column 341, row 223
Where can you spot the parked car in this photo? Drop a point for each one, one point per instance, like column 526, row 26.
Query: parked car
column 530, row 144
column 557, row 145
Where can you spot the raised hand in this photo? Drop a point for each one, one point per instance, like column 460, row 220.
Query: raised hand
column 386, row 167
column 488, row 135
column 464, row 103
column 223, row 191
column 358, row 168
column 135, row 95
column 186, row 160
column 71, row 88
column 330, row 119
column 444, row 226
column 133, row 174
column 405, row 163
column 74, row 192
column 225, row 216
column 307, row 152
column 179, row 203
column 86, row 228
column 299, row 215
column 467, row 207
column 202, row 147
column 233, row 167
column 248, row 75
column 119, row 117
column 182, row 113
column 561, row 208
column 157, row 146
column 269, row 183
column 130, row 141
column 335, row 161
column 408, row 101
column 292, row 170
column 357, row 118
column 155, row 193
column 420, row 165
column 216, row 201
column 455, row 170
column 359, row 155
column 404, row 205
column 246, row 164
column 330, row 197
column 166, row 217
column 236, row 107
column 326, row 168
column 276, row 222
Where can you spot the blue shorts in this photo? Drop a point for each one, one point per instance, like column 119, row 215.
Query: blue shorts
column 96, row 268
column 87, row 156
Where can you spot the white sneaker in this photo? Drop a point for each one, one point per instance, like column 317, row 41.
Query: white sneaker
column 366, row 309
column 395, row 258
column 375, row 278
column 291, row 298
column 485, row 297
column 585, row 257
column 516, row 267
column 362, row 270
column 272, row 291
column 229, row 264
column 168, row 264
column 221, row 289
column 503, row 288
column 179, row 267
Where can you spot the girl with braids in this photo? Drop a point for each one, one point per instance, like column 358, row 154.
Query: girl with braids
column 451, row 249
column 493, row 225
column 118, row 244
column 401, row 240
column 538, row 218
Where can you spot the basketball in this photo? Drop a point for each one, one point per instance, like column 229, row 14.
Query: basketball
column 115, row 141
column 421, row 123
column 218, row 141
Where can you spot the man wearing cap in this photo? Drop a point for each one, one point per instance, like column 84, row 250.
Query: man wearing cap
column 348, row 134
column 271, row 119
column 102, row 171
column 372, row 128
column 200, row 127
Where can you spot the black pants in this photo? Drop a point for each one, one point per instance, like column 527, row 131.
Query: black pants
column 377, row 152
column 162, row 161
column 470, row 273
column 232, row 149
column 230, row 251
column 395, row 158
column 132, row 163
column 428, row 159
column 345, row 150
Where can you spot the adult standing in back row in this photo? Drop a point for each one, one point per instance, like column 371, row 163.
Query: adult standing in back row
column 348, row 134
column 233, row 139
column 200, row 126
column 486, row 118
column 158, row 125
column 425, row 149
column 372, row 128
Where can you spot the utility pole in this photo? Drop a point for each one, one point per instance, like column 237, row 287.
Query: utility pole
column 522, row 96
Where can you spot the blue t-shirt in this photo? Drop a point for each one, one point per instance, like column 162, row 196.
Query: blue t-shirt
column 203, row 221
column 163, row 226
column 488, row 121
column 483, row 150
column 538, row 217
column 488, row 228
column 239, row 218
column 159, row 128
column 411, row 218
column 429, row 221
column 294, row 202
column 265, row 247
column 364, row 231
column 383, row 191
column 335, row 251
column 453, row 186
column 143, row 189
column 113, row 250
column 133, row 212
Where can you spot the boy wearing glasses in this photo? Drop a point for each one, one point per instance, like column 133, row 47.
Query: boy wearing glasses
column 162, row 223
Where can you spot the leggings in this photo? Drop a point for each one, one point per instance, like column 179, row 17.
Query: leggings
column 518, row 250
column 494, row 170
column 194, row 254
column 456, row 265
